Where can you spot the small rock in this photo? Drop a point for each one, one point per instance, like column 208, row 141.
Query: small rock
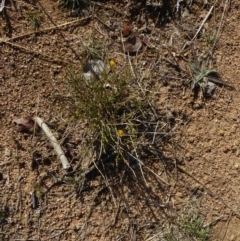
column 93, row 69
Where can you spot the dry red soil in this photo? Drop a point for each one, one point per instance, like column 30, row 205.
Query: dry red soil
column 34, row 63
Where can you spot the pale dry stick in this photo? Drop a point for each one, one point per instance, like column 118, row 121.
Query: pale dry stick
column 44, row 30
column 213, row 222
column 46, row 57
column 2, row 5
column 203, row 22
column 98, row 30
column 155, row 235
column 54, row 142
column 154, row 135
column 199, row 29
column 99, row 19
column 131, row 67
column 54, row 236
column 217, row 34
column 212, row 194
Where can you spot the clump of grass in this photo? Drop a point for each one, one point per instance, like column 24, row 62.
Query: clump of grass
column 109, row 111
column 92, row 48
column 195, row 230
column 200, row 76
column 187, row 225
column 121, row 117
column 210, row 39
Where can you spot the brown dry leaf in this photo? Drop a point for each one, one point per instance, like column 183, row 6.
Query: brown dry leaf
column 132, row 45
column 25, row 124
column 126, row 31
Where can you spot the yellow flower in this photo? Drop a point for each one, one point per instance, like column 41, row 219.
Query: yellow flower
column 120, row 133
column 112, row 63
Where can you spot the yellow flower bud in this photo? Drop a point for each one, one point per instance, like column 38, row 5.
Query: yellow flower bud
column 120, row 133
column 112, row 63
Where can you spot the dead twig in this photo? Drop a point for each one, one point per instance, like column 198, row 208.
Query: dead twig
column 220, row 25
column 199, row 29
column 54, row 142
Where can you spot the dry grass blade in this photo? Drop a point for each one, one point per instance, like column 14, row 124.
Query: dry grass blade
column 220, row 25
column 199, row 29
column 78, row 21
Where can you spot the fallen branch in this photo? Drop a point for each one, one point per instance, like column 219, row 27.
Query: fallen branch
column 58, row 149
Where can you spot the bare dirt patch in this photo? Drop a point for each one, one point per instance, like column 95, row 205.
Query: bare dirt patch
column 195, row 176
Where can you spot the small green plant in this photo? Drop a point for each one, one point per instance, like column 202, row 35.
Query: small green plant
column 2, row 216
column 210, row 39
column 38, row 189
column 200, row 76
column 92, row 48
column 35, row 21
column 187, row 225
column 195, row 230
